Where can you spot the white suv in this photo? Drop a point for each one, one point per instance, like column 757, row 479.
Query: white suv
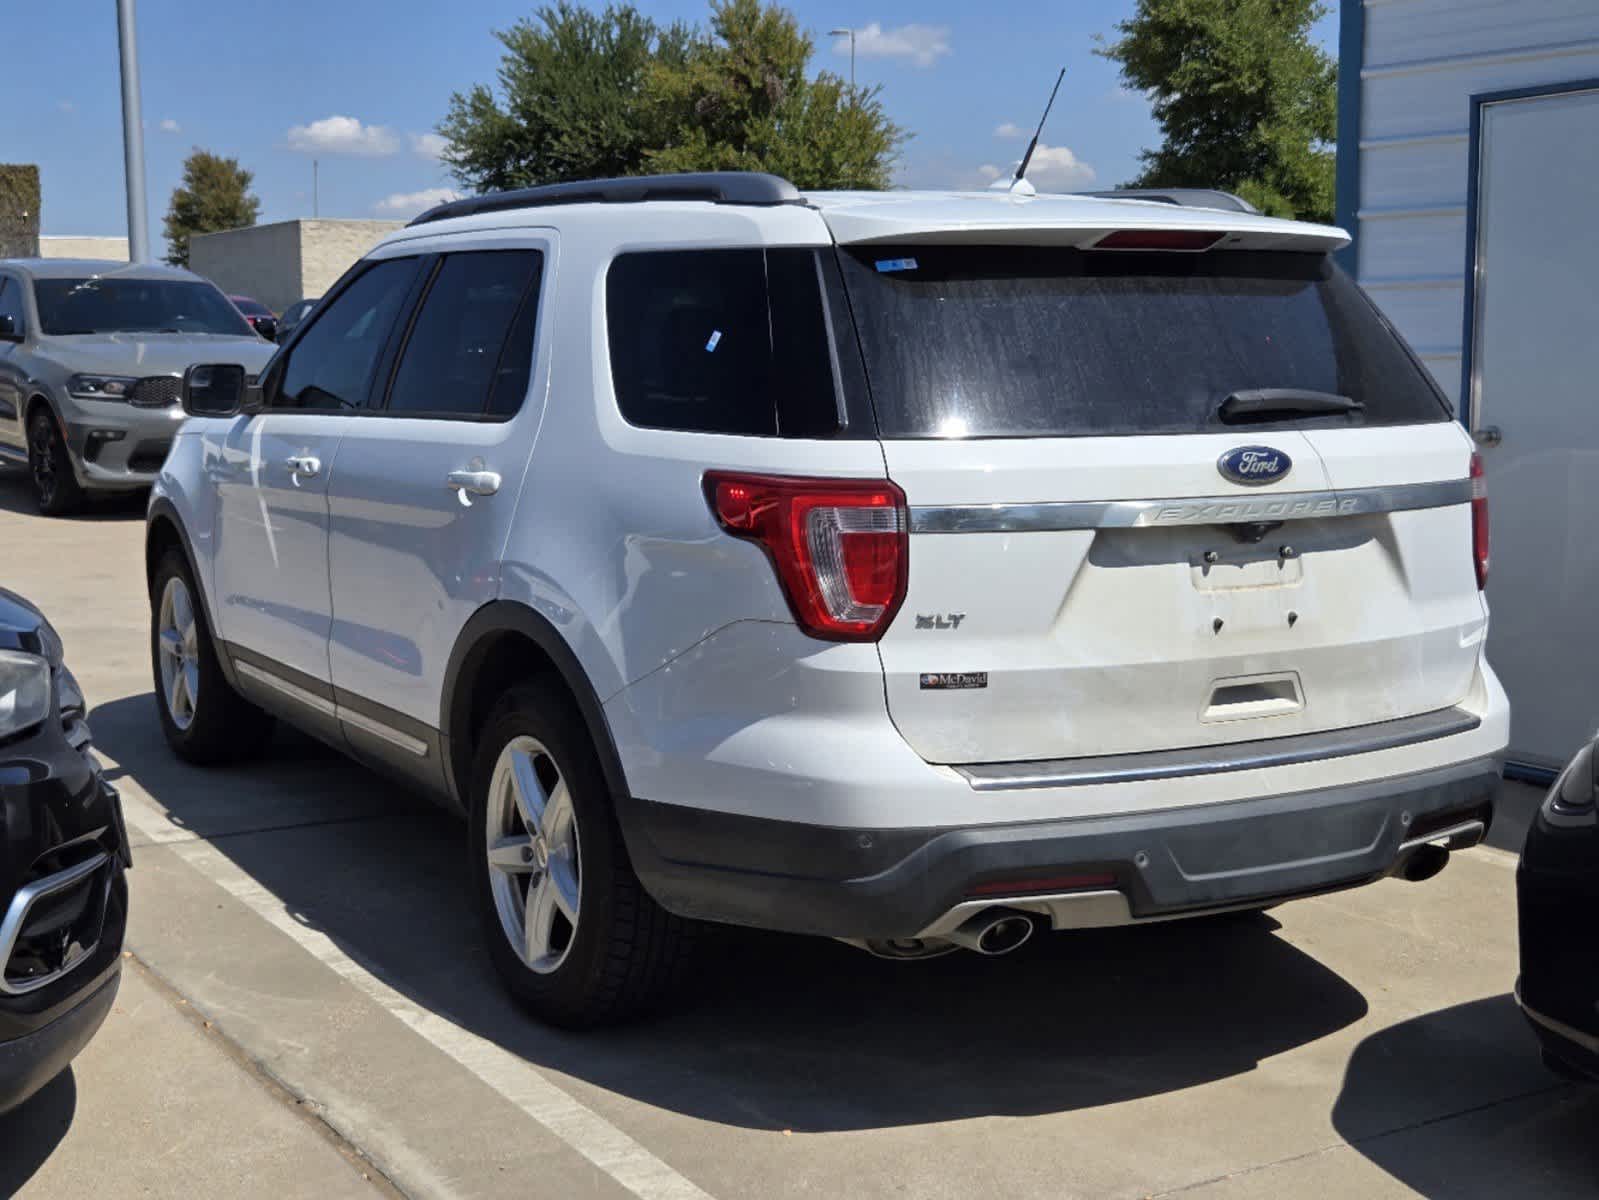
column 912, row 569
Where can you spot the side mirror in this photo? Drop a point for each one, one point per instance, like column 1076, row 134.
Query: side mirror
column 214, row 390
column 8, row 328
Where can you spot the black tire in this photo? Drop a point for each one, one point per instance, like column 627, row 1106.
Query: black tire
column 224, row 726
column 56, row 489
column 626, row 955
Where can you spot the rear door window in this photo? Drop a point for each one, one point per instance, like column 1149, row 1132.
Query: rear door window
column 470, row 347
column 1009, row 341
column 722, row 341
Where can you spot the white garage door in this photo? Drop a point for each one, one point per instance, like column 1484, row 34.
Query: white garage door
column 1535, row 379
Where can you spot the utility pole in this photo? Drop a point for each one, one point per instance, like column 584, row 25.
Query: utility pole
column 850, row 33
column 132, row 135
column 316, row 188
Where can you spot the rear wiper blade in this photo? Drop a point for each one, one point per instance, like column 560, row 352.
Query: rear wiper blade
column 1262, row 404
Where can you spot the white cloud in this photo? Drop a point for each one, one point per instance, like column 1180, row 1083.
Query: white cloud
column 171, row 126
column 344, row 135
column 1009, row 130
column 1052, row 169
column 408, row 204
column 921, row 44
column 428, row 145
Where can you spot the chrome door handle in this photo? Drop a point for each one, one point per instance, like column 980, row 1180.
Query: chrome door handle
column 1489, row 435
column 466, row 484
column 303, row 466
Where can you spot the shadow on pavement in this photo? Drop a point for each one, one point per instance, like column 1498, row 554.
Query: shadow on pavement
column 782, row 1032
column 1399, row 1083
column 30, row 1134
column 16, row 496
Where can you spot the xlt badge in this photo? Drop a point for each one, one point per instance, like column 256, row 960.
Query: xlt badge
column 939, row 620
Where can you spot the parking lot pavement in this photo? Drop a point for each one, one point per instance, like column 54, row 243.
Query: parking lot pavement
column 1362, row 1044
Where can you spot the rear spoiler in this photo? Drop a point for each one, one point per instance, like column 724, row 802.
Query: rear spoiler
column 1073, row 221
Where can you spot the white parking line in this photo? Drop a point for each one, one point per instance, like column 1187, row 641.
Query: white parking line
column 590, row 1134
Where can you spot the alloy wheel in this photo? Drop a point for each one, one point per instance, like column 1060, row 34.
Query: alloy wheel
column 43, row 461
column 177, row 637
column 535, row 870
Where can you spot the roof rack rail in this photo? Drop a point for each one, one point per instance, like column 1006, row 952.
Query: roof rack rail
column 719, row 187
column 1185, row 197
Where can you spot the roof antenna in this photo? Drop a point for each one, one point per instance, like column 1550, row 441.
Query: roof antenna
column 1018, row 185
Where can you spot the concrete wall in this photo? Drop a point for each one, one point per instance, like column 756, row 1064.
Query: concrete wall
column 262, row 262
column 328, row 248
column 89, row 246
column 286, row 261
column 1415, row 65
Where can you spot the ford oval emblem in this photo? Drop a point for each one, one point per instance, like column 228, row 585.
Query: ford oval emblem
column 1254, row 466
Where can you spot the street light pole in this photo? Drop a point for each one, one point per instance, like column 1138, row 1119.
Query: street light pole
column 132, row 135
column 850, row 33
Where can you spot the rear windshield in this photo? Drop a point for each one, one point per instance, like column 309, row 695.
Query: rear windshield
column 1003, row 341
column 109, row 305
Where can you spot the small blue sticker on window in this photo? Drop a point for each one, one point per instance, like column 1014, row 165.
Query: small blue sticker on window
column 716, row 340
column 896, row 264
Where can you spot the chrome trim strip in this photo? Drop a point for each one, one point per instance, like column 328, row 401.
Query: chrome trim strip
column 328, row 708
column 383, row 732
column 17, row 915
column 1213, row 760
column 11, row 454
column 1575, row 1036
column 1468, row 833
column 311, row 700
column 1051, row 517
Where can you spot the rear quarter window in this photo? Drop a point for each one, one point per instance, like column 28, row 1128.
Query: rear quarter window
column 722, row 341
column 1007, row 341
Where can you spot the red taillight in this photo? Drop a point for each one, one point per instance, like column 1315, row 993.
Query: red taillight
column 1479, row 520
column 1158, row 239
column 840, row 546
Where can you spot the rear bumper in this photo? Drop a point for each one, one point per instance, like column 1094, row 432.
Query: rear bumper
column 29, row 1062
column 902, row 883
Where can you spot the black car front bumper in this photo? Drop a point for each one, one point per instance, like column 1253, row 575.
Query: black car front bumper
column 1557, row 888
column 60, row 956
column 889, row 884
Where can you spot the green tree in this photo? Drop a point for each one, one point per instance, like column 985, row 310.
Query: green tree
column 572, row 83
column 740, row 100
column 214, row 195
column 585, row 95
column 1246, row 102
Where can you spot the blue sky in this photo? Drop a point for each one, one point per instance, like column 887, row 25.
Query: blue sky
column 360, row 84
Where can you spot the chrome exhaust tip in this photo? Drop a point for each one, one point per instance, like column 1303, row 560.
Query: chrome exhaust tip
column 1423, row 862
column 993, row 932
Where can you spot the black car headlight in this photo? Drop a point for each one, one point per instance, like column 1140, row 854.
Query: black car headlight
column 1573, row 793
column 100, row 387
column 24, row 691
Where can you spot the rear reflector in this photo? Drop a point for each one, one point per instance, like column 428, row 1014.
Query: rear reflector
column 1479, row 520
column 1158, row 239
column 1041, row 886
column 840, row 546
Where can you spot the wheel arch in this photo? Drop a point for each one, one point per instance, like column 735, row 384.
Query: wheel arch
column 506, row 642
column 163, row 530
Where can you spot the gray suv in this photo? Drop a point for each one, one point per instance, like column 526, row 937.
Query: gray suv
column 91, row 360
